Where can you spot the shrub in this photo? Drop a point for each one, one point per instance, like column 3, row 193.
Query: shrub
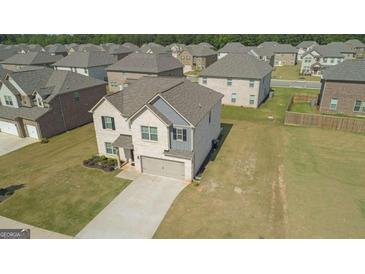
column 44, row 141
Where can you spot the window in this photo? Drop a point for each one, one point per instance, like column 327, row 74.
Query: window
column 149, row 133
column 179, row 134
column 110, row 149
column 333, row 104
column 8, row 100
column 108, row 122
column 229, row 82
column 252, row 83
column 307, row 60
column 324, row 60
column 205, row 80
column 359, row 106
column 77, row 96
column 252, row 99
column 125, row 85
column 233, row 97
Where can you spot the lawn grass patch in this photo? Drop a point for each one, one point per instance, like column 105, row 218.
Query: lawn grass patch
column 290, row 72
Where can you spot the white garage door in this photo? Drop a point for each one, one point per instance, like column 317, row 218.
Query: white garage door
column 9, row 128
column 32, row 131
column 163, row 167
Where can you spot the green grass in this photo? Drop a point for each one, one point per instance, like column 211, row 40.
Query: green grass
column 304, row 107
column 274, row 181
column 291, row 73
column 59, row 194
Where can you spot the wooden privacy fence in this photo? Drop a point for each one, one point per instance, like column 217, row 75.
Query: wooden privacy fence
column 321, row 120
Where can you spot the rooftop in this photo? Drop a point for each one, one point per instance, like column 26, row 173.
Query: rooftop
column 81, row 59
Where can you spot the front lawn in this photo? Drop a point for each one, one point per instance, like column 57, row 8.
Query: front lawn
column 274, row 181
column 291, row 73
column 60, row 194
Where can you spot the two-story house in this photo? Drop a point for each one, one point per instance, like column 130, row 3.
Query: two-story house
column 21, row 60
column 343, row 88
column 242, row 79
column 118, row 51
column 315, row 61
column 345, row 49
column 275, row 54
column 303, row 47
column 197, row 57
column 41, row 102
column 357, row 46
column 153, row 48
column 91, row 63
column 56, row 49
column 137, row 65
column 162, row 125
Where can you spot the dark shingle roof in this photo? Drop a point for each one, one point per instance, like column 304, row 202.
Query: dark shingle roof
column 306, row 44
column 86, row 59
column 89, row 48
column 233, row 47
column 124, row 141
column 349, row 70
column 191, row 100
column 326, row 52
column 205, row 44
column 117, row 49
column 146, row 63
column 199, row 51
column 268, row 44
column 32, row 58
column 130, row 46
column 33, row 113
column 284, row 48
column 7, row 53
column 355, row 43
column 56, row 48
column 341, row 47
column 154, row 48
column 3, row 72
column 238, row 66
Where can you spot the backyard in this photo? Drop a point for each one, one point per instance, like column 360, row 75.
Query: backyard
column 59, row 194
column 291, row 73
column 274, row 181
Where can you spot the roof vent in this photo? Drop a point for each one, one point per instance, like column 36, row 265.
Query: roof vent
column 200, row 105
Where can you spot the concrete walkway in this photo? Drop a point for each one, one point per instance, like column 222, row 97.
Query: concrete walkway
column 137, row 211
column 9, row 143
column 35, row 232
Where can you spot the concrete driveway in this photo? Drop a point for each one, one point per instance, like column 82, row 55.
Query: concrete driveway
column 137, row 211
column 9, row 143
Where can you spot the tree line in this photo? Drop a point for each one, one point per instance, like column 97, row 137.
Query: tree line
column 217, row 40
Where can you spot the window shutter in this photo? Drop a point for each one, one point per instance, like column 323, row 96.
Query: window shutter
column 103, row 121
column 113, row 124
column 174, row 133
column 184, row 135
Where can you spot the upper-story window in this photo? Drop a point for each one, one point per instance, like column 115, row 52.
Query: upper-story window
column 76, row 96
column 149, row 133
column 205, row 80
column 332, row 60
column 252, row 99
column 108, row 122
column 233, row 97
column 324, row 60
column 307, row 60
column 8, row 100
column 252, row 83
column 229, row 82
column 333, row 104
column 179, row 134
column 114, row 84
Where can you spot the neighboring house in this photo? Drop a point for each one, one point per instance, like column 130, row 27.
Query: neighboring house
column 56, row 49
column 7, row 53
column 85, row 48
column 357, row 46
column 176, row 49
column 343, row 48
column 131, row 46
column 276, row 54
column 241, row 78
column 304, row 46
column 91, row 63
column 232, row 47
column 25, row 48
column 21, row 60
column 162, row 125
column 195, row 57
column 318, row 59
column 263, row 53
column 153, row 48
column 205, row 44
column 42, row 102
column 3, row 72
column 72, row 47
column 137, row 65
column 118, row 51
column 343, row 88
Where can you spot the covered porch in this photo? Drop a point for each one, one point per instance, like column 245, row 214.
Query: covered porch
column 125, row 150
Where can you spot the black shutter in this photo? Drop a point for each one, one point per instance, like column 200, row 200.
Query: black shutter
column 184, row 135
column 103, row 121
column 113, row 124
column 174, row 133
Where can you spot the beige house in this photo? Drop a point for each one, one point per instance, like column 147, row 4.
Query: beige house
column 137, row 65
column 159, row 125
column 241, row 78
column 197, row 57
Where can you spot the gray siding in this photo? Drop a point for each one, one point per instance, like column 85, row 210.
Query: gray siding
column 177, row 121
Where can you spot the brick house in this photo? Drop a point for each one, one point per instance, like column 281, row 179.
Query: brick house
column 197, row 57
column 343, row 88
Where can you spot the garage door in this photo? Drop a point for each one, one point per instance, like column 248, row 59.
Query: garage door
column 9, row 128
column 32, row 131
column 162, row 167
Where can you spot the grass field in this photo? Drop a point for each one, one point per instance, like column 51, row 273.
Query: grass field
column 59, row 194
column 302, row 107
column 291, row 73
column 274, row 181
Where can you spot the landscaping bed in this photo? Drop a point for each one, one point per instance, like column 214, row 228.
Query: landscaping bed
column 101, row 162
